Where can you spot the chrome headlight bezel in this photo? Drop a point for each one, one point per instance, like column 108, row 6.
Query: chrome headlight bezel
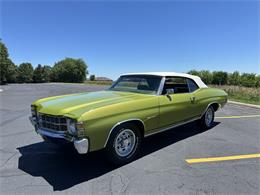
column 71, row 125
column 75, row 128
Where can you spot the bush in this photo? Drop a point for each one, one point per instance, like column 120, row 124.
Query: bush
column 257, row 83
column 220, row 78
column 248, row 80
column 92, row 77
column 243, row 94
column 69, row 70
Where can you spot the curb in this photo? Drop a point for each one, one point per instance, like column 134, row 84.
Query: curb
column 244, row 104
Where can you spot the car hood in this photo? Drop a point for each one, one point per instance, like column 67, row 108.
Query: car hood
column 75, row 105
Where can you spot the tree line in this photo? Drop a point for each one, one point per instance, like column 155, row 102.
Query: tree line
column 66, row 70
column 75, row 70
column 225, row 78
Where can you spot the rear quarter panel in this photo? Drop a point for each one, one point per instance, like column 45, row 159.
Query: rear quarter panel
column 207, row 96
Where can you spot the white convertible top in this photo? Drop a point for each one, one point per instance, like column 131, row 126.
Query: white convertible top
column 197, row 79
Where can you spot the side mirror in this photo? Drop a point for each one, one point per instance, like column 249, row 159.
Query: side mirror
column 169, row 91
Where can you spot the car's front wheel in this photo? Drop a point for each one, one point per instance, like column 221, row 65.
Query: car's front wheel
column 123, row 144
column 207, row 120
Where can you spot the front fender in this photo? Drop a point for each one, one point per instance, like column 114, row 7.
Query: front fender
column 100, row 122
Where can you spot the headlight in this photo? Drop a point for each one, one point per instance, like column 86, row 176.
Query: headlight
column 75, row 128
column 72, row 126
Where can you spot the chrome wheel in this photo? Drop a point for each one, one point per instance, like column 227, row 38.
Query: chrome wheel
column 125, row 142
column 209, row 115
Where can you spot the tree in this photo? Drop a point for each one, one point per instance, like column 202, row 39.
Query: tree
column 248, row 80
column 46, row 73
column 25, row 73
column 6, row 65
column 12, row 71
column 194, row 72
column 38, row 74
column 257, row 83
column 206, row 76
column 92, row 77
column 234, row 78
column 220, row 78
column 41, row 74
column 69, row 70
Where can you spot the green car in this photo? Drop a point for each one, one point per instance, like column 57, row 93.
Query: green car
column 134, row 107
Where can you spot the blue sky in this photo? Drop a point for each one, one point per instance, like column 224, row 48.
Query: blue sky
column 118, row 37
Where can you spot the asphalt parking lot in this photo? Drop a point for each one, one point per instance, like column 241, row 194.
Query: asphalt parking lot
column 30, row 166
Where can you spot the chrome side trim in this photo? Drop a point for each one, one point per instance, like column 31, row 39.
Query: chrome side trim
column 159, row 92
column 55, row 134
column 171, row 127
column 119, row 123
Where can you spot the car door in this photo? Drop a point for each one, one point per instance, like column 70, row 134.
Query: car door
column 195, row 97
column 176, row 107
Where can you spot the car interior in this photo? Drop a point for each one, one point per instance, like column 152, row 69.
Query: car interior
column 179, row 85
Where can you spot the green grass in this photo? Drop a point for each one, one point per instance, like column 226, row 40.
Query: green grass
column 241, row 94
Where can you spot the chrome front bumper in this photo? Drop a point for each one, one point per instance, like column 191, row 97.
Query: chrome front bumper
column 81, row 145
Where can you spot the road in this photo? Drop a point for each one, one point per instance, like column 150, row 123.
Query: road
column 30, row 166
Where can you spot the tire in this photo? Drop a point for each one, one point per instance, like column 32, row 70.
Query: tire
column 124, row 144
column 207, row 120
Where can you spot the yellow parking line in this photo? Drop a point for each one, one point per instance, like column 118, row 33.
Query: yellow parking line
column 215, row 159
column 243, row 116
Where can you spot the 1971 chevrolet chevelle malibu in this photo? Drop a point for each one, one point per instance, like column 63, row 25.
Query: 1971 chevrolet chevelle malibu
column 135, row 106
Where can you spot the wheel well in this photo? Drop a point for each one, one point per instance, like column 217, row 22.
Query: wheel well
column 138, row 123
column 215, row 106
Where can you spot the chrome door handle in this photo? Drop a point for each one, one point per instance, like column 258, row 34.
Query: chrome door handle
column 192, row 99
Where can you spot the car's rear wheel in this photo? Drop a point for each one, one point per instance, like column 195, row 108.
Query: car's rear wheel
column 207, row 120
column 123, row 144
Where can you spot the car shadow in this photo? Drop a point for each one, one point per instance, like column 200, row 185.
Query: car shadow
column 63, row 168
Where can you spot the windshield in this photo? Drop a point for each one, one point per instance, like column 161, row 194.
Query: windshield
column 147, row 84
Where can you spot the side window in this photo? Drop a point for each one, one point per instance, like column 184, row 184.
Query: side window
column 178, row 84
column 192, row 85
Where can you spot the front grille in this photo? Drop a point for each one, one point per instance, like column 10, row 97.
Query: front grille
column 50, row 122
